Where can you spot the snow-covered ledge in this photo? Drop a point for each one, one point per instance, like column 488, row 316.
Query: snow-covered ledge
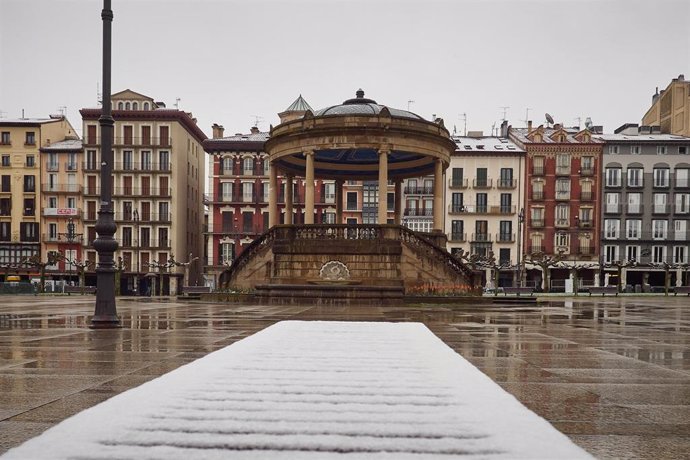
column 302, row 390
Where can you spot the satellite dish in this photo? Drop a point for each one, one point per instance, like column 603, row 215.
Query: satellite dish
column 549, row 118
column 588, row 123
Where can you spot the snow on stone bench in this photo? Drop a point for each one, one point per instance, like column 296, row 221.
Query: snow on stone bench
column 307, row 390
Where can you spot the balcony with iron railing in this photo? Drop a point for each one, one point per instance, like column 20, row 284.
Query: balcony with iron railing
column 563, row 170
column 586, row 195
column 70, row 166
column 420, row 212
column 481, row 238
column 585, row 223
column 634, row 208
column 482, row 209
column 585, row 250
column 506, row 183
column 143, row 217
column 418, row 190
column 661, row 208
column 634, row 183
column 457, row 237
column 537, row 170
column 61, row 188
column 457, row 183
column 613, row 182
column 536, row 223
column 610, row 208
column 534, row 249
column 132, row 166
column 505, row 237
column 482, row 183
column 662, row 183
column 563, row 195
column 126, row 141
column 681, row 209
column 587, row 171
column 144, row 244
column 52, row 166
column 537, row 195
column 142, row 191
column 562, row 223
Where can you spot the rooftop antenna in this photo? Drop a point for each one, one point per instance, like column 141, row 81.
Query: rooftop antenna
column 410, row 102
column 526, row 120
column 2, row 113
column 464, row 119
column 177, row 103
column 62, row 109
column 505, row 110
column 549, row 119
column 579, row 121
column 493, row 129
column 257, row 120
column 99, row 95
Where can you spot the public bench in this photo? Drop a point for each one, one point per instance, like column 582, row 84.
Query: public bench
column 681, row 290
column 195, row 290
column 69, row 290
column 603, row 290
column 374, row 390
column 518, row 290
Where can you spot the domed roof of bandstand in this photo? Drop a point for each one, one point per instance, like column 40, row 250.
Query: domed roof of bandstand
column 346, row 139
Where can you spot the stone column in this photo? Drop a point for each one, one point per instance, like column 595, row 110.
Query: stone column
column 288, row 199
column 438, row 196
column 339, row 201
column 309, row 188
column 272, row 196
column 398, row 202
column 383, row 186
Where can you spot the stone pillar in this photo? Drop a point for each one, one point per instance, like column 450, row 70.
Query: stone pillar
column 339, row 201
column 383, row 186
column 438, row 196
column 272, row 196
column 398, row 202
column 309, row 188
column 288, row 199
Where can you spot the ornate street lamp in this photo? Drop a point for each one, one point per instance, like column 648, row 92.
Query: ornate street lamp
column 105, row 316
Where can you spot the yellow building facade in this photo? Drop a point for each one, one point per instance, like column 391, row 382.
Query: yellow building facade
column 670, row 108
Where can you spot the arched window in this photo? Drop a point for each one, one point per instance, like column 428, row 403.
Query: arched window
column 126, row 105
column 120, row 105
column 146, row 105
column 135, row 106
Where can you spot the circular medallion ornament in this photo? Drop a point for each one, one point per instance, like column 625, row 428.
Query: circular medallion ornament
column 334, row 270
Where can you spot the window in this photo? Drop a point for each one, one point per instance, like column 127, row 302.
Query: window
column 226, row 191
column 5, row 231
column 351, row 201
column 506, row 178
column 612, row 203
column 682, row 150
column 635, row 177
column 52, row 202
column 563, row 163
column 146, row 105
column 482, row 178
column 504, row 256
column 658, row 254
column 660, row 203
column 227, row 221
column 661, row 150
column 127, row 163
column 390, row 203
column 5, row 138
column 659, row 229
column 135, row 106
column 537, row 216
column 682, row 177
column 679, row 230
column 562, row 189
column 634, row 203
column 457, row 177
column 52, row 232
column 614, row 149
column 587, row 165
column 505, row 230
column 29, row 183
column 585, row 217
column 562, row 241
column 610, row 254
column 482, row 202
column 661, row 177
column 506, row 203
column 30, row 161
column 6, row 184
column 457, row 230
column 247, row 221
column 682, row 203
column 248, row 166
column 267, row 167
column 562, row 215
column 328, row 217
column 247, row 192
column 538, row 190
column 635, row 149
column 6, row 160
column 72, row 202
column 28, row 231
column 633, row 229
column 538, row 166
column 457, row 204
column 5, row 206
column 226, row 165
column 680, row 255
column 613, row 177
column 329, row 192
column 612, row 228
column 30, row 138
column 632, row 253
column 264, row 191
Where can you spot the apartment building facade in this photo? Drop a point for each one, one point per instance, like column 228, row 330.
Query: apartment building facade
column 670, row 109
column 483, row 198
column 646, row 205
column 21, row 141
column 562, row 207
column 158, row 183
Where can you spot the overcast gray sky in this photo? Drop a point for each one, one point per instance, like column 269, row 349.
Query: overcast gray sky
column 229, row 61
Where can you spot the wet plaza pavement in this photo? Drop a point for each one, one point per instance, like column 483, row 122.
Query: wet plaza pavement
column 611, row 373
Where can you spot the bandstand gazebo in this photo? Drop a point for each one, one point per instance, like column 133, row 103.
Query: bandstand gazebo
column 356, row 140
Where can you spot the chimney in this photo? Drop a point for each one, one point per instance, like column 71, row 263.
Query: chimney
column 557, row 126
column 504, row 128
column 255, row 130
column 217, row 131
column 529, row 125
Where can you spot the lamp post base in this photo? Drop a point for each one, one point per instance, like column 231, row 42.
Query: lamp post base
column 105, row 322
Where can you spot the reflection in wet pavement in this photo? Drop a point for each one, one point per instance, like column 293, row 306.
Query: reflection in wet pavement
column 613, row 374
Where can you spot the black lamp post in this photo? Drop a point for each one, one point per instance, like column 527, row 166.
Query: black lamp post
column 521, row 221
column 105, row 316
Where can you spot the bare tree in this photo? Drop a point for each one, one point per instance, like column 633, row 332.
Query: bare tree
column 53, row 257
column 495, row 266
column 545, row 262
column 619, row 265
column 575, row 269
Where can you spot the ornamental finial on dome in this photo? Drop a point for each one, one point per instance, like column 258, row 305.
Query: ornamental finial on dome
column 360, row 93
